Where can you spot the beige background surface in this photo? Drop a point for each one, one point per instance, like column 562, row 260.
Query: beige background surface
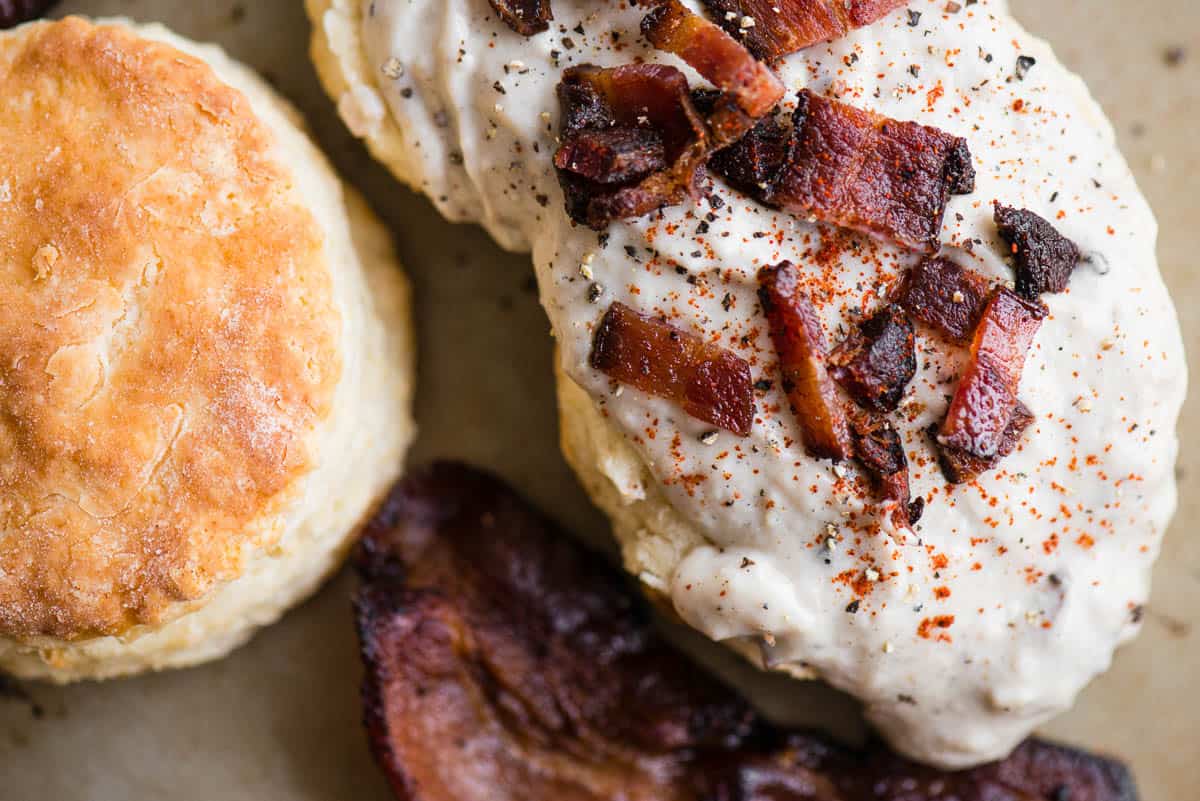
column 279, row 719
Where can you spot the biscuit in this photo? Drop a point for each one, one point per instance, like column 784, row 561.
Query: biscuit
column 205, row 353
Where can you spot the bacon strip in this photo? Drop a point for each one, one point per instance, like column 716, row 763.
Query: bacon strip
column 506, row 663
column 526, row 17
column 945, row 296
column 781, row 27
column 1045, row 258
column 632, row 141
column 875, row 363
column 800, row 345
column 986, row 398
column 749, row 89
column 959, row 466
column 869, row 173
column 709, row 382
column 878, row 448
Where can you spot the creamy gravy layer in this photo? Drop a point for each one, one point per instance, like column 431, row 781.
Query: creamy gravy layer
column 1014, row 590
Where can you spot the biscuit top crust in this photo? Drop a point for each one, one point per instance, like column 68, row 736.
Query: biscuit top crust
column 168, row 334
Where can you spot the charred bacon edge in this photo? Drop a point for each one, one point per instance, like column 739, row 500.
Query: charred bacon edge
column 876, row 362
column 1045, row 259
column 879, row 449
column 526, row 17
column 945, row 296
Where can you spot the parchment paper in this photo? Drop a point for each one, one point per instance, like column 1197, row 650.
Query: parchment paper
column 280, row 718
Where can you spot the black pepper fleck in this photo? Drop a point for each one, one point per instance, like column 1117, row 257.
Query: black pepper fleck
column 914, row 18
column 852, row 607
column 1024, row 65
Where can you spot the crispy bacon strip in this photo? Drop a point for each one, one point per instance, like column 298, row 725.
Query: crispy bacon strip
column 709, row 382
column 800, row 345
column 960, row 467
column 945, row 296
column 526, row 17
column 632, row 141
column 505, row 663
column 781, row 27
column 875, row 363
column 878, row 448
column 869, row 173
column 1045, row 258
column 749, row 89
column 986, row 398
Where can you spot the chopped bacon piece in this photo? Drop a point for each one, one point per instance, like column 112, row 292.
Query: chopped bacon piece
column 945, row 296
column 869, row 173
column 878, row 448
column 800, row 345
column 986, row 398
column 784, row 26
column 960, row 467
column 749, row 89
column 639, row 121
column 1045, row 258
column 504, row 662
column 612, row 155
column 526, row 17
column 750, row 163
column 875, row 363
column 709, row 382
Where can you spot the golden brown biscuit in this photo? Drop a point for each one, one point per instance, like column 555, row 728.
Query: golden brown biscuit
column 188, row 339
